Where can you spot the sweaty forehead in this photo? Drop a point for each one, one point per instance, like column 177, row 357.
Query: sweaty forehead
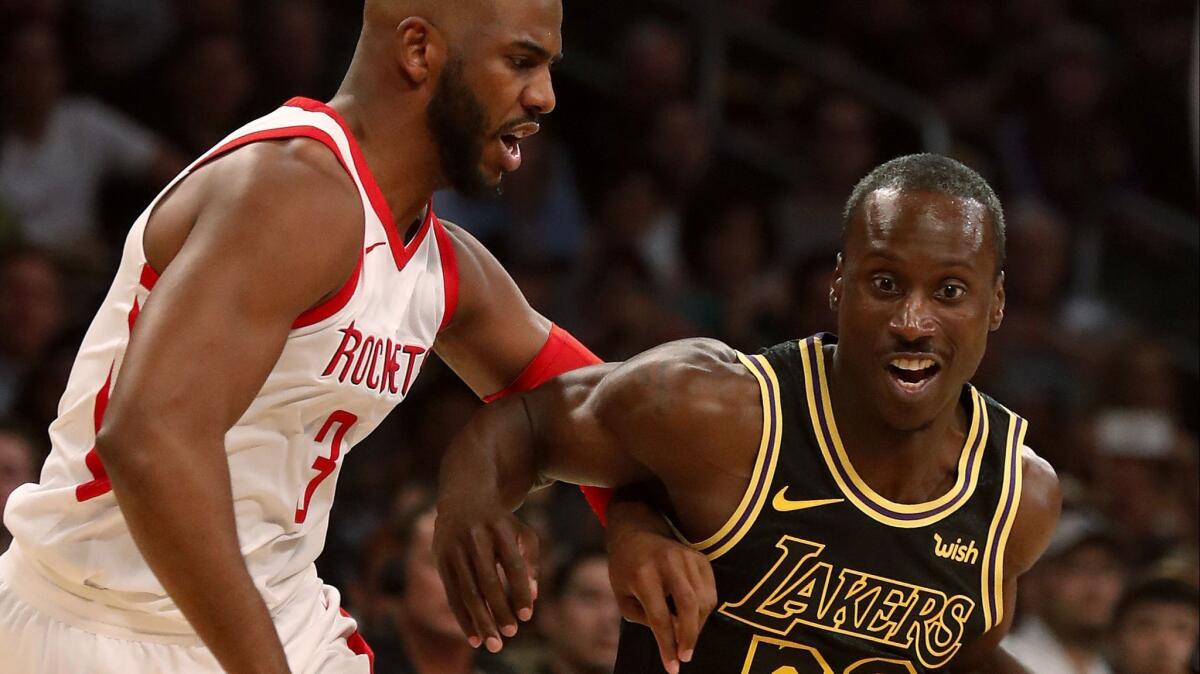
column 890, row 217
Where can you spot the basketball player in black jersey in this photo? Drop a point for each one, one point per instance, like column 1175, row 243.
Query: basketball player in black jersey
column 865, row 509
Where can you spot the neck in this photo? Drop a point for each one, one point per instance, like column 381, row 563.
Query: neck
column 904, row 466
column 387, row 117
column 430, row 652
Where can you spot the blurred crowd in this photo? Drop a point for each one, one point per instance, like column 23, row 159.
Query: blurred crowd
column 636, row 220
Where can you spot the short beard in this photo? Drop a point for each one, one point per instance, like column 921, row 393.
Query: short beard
column 458, row 123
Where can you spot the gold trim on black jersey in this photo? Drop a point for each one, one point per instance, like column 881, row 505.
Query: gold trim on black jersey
column 992, row 570
column 866, row 499
column 747, row 512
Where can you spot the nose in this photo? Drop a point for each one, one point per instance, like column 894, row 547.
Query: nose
column 913, row 319
column 538, row 97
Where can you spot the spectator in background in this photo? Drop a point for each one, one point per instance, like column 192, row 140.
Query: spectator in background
column 58, row 150
column 1144, row 457
column 1063, row 145
column 207, row 90
column 1074, row 588
column 291, row 52
column 655, row 62
column 16, row 467
column 680, row 157
column 735, row 291
column 1156, row 628
column 844, row 148
column 539, row 216
column 579, row 616
column 1037, row 362
column 409, row 624
column 202, row 16
column 626, row 314
column 119, row 41
column 807, row 311
column 31, row 316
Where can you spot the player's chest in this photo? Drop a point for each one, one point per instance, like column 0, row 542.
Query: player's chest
column 375, row 346
column 825, row 580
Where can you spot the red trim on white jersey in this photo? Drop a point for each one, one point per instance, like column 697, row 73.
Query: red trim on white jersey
column 401, row 252
column 149, row 277
column 449, row 270
column 335, row 303
column 358, row 645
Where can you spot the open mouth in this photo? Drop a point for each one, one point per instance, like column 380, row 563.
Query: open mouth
column 912, row 374
column 511, row 140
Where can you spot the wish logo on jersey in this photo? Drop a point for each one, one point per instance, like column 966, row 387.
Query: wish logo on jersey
column 800, row 589
column 374, row 362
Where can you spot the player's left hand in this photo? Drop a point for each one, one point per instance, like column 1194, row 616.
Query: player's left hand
column 664, row 585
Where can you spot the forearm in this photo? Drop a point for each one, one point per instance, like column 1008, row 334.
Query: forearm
column 179, row 509
column 494, row 458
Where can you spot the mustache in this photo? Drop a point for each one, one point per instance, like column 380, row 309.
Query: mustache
column 508, row 126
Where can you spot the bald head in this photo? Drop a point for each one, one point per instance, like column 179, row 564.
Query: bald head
column 450, row 17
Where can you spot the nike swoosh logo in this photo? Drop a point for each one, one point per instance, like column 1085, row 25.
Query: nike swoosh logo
column 783, row 504
column 373, row 247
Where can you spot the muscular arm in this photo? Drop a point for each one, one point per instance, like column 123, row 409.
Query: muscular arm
column 1037, row 516
column 245, row 245
column 492, row 338
column 685, row 414
column 494, row 333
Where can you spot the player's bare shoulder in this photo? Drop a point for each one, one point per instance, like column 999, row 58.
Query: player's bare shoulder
column 683, row 390
column 1037, row 514
column 288, row 194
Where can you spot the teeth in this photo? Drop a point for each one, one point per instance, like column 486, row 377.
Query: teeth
column 912, row 364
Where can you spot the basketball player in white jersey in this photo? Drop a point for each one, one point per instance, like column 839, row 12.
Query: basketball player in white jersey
column 272, row 305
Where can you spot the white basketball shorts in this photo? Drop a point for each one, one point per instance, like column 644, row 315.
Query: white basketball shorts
column 41, row 634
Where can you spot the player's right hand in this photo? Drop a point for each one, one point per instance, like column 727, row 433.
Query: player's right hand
column 488, row 560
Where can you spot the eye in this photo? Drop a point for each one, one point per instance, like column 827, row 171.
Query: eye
column 520, row 62
column 885, row 284
column 951, row 291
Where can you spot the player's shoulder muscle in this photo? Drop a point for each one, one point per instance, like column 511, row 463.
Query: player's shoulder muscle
column 680, row 390
column 285, row 208
column 1037, row 514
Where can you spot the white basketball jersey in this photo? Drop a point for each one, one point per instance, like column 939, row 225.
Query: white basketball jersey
column 345, row 365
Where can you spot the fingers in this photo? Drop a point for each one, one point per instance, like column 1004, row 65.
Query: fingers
column 708, row 583
column 658, row 618
column 478, row 615
column 499, row 619
column 687, row 609
column 490, row 576
column 457, row 607
column 517, row 570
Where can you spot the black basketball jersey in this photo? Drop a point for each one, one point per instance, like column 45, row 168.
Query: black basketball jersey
column 818, row 574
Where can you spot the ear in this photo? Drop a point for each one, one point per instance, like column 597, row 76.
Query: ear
column 997, row 311
column 835, row 286
column 420, row 49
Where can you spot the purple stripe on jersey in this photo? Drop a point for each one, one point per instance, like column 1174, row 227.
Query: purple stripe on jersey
column 827, row 436
column 768, row 461
column 1005, row 514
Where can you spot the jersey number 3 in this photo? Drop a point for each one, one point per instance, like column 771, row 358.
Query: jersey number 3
column 325, row 465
